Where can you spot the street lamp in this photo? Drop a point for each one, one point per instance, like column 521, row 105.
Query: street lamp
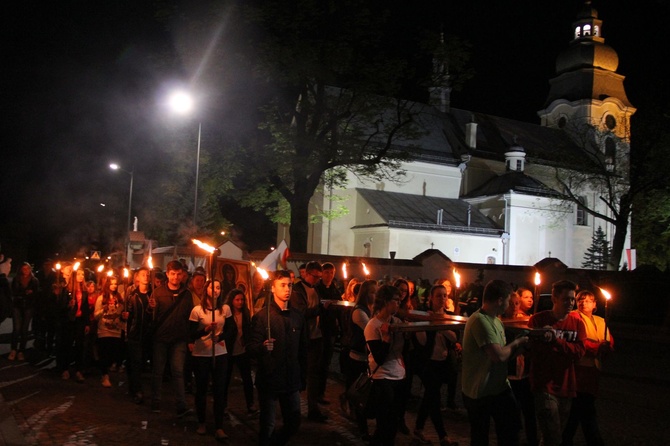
column 182, row 103
column 115, row 166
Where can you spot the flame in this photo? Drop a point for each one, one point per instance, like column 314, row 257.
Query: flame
column 58, row 266
column 101, row 268
column 607, row 295
column 457, row 278
column 205, row 246
column 110, row 273
column 365, row 269
column 344, row 270
column 538, row 279
column 76, row 266
column 125, row 273
column 264, row 274
column 150, row 262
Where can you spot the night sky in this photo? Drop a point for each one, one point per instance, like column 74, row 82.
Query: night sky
column 83, row 84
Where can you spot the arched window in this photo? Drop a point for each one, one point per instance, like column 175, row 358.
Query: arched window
column 587, row 30
column 578, row 32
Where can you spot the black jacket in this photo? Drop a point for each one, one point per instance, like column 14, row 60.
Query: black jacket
column 173, row 309
column 284, row 369
column 140, row 317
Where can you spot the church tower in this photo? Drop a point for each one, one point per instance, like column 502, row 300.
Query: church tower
column 587, row 92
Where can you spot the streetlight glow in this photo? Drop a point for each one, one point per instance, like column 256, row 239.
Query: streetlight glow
column 181, row 102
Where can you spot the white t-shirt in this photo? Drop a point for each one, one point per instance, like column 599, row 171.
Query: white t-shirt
column 393, row 366
column 203, row 345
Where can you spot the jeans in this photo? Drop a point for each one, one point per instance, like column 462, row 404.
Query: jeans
column 583, row 411
column 432, row 377
column 244, row 366
column 505, row 412
column 386, row 394
column 315, row 373
column 290, row 410
column 552, row 416
column 21, row 317
column 176, row 354
column 202, row 368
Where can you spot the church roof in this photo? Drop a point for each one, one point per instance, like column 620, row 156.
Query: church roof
column 420, row 212
column 512, row 181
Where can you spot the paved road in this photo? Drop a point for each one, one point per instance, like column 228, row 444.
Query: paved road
column 38, row 408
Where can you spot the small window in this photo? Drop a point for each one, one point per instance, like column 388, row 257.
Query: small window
column 578, row 32
column 582, row 215
column 610, row 154
column 587, row 30
column 519, row 165
column 610, row 122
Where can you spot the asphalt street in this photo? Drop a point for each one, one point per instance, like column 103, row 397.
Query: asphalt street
column 38, row 408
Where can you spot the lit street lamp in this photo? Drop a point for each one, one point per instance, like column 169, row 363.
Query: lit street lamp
column 115, row 166
column 182, row 103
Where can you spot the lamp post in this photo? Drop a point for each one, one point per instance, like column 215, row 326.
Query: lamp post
column 182, row 103
column 115, row 166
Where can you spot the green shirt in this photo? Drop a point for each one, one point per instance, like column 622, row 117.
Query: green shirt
column 482, row 377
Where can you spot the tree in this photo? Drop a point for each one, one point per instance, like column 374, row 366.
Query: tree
column 598, row 254
column 336, row 78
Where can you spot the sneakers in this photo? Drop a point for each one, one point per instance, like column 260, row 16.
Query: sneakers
column 317, row 417
column 79, row 377
column 105, row 381
column 420, row 438
column 138, row 398
column 156, row 407
column 12, row 355
column 181, row 413
column 220, row 435
column 65, row 375
column 20, row 357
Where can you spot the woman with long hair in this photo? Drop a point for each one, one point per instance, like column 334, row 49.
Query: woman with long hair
column 25, row 288
column 75, row 324
column 110, row 315
column 386, row 363
column 210, row 324
column 357, row 362
column 237, row 354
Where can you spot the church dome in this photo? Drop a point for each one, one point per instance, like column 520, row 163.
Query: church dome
column 587, row 53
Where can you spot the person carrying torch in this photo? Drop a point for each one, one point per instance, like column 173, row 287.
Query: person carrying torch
column 278, row 341
column 598, row 344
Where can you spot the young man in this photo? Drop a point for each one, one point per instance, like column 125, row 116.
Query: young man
column 486, row 391
column 553, row 357
column 139, row 333
column 306, row 300
column 171, row 335
column 278, row 341
column 327, row 290
column 598, row 344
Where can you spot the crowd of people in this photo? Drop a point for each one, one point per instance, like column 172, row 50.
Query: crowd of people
column 541, row 381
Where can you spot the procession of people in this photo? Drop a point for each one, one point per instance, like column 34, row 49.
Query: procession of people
column 536, row 375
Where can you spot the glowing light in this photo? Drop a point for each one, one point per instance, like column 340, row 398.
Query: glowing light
column 264, row 274
column 205, row 246
column 607, row 295
column 365, row 270
column 76, row 266
column 344, row 270
column 110, row 273
column 150, row 262
column 457, row 278
column 58, row 266
column 181, row 102
column 538, row 279
column 125, row 273
column 101, row 268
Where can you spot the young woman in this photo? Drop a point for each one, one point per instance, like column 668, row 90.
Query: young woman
column 237, row 354
column 435, row 370
column 386, row 363
column 357, row 362
column 25, row 288
column 209, row 324
column 110, row 315
column 75, row 324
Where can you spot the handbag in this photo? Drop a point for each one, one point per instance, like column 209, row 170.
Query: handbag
column 360, row 392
